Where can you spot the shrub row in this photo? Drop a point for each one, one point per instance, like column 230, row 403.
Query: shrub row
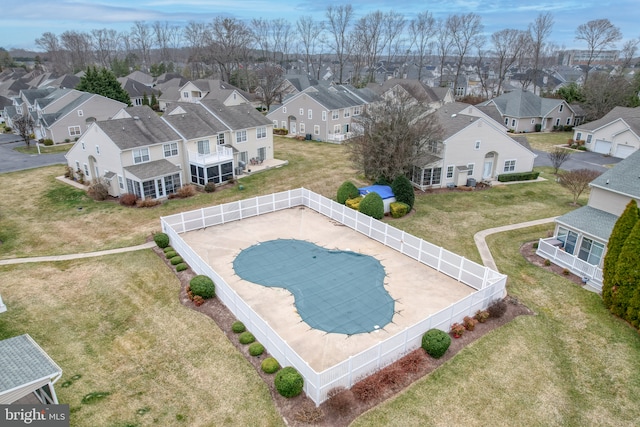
column 522, row 176
column 399, row 209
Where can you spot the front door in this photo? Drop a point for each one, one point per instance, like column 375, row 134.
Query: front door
column 488, row 168
column 293, row 128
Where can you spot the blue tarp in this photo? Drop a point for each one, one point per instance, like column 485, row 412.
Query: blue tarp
column 383, row 190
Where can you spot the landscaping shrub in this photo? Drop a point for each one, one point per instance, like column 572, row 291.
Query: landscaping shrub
column 176, row 260
column 372, row 205
column 522, row 176
column 289, row 382
column 246, row 338
column 412, row 362
column 162, row 240
column 203, row 286
column 181, row 267
column 7, row 129
column 270, row 365
column 256, row 349
column 354, row 203
column 457, row 329
column 170, row 254
column 238, row 327
column 48, row 142
column 367, row 389
column 436, row 342
column 210, row 187
column 128, row 199
column 547, row 262
column 147, row 203
column 497, row 308
column 167, row 249
column 186, row 191
column 403, row 191
column 340, row 400
column 469, row 323
column 482, row 316
column 98, row 190
column 399, row 209
column 347, row 191
column 538, row 127
column 309, row 414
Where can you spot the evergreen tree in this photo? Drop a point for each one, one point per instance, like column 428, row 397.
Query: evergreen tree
column 145, row 99
column 103, row 82
column 619, row 234
column 154, row 102
column 403, row 190
column 627, row 277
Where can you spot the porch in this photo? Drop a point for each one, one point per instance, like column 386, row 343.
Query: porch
column 221, row 154
column 551, row 249
column 338, row 137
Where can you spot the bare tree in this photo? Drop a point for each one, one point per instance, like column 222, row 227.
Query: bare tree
column 79, row 47
column 393, row 26
column 558, row 156
column 577, row 181
column 166, row 38
column 421, row 31
column 367, row 43
column 24, row 124
column 105, row 46
column 599, row 34
column 142, row 39
column 539, row 32
column 444, row 43
column 507, row 46
column 50, row 43
column 603, row 92
column 196, row 36
column 310, row 34
column 466, row 33
column 339, row 18
column 229, row 41
column 271, row 79
column 628, row 52
column 392, row 135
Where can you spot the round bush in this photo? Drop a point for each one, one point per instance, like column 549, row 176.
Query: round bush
column 246, row 338
column 170, row 254
column 181, row 267
column 256, row 349
column 270, row 365
column 167, row 249
column 203, row 286
column 436, row 342
column 161, row 239
column 238, row 327
column 403, row 191
column 176, row 260
column 289, row 382
column 372, row 205
column 210, row 187
column 347, row 191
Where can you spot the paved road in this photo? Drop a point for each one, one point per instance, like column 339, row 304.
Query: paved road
column 579, row 160
column 12, row 160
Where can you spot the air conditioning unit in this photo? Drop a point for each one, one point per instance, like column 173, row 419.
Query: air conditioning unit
column 239, row 170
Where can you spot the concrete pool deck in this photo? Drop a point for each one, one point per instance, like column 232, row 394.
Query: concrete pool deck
column 418, row 290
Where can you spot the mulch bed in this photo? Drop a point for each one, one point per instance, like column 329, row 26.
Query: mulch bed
column 300, row 410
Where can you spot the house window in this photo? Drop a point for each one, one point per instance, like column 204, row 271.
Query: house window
column 235, row 95
column 120, row 182
column 284, row 110
column 558, row 122
column 203, row 147
column 80, row 113
column 172, row 183
column 241, row 136
column 431, row 176
column 302, row 128
column 137, row 101
column 302, row 112
column 460, row 91
column 509, row 165
column 324, row 116
column 83, row 146
column 356, row 110
column 170, row 149
column 98, row 150
column 309, row 114
column 568, row 120
column 578, row 136
column 275, row 123
column 244, row 157
column 449, row 171
column 261, row 132
column 347, row 112
column 336, row 128
column 506, row 121
column 140, row 155
column 77, row 165
column 513, row 122
column 589, row 139
column 335, row 115
column 533, row 121
column 470, row 169
column 591, row 251
column 477, row 145
column 220, row 139
column 561, row 108
column 185, row 94
column 568, row 239
column 316, row 129
column 74, row 130
column 86, row 171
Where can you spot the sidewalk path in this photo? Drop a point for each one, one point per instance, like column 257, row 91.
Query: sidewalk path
column 67, row 257
column 481, row 243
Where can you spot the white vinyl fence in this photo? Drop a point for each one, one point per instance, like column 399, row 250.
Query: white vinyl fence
column 489, row 284
column 591, row 274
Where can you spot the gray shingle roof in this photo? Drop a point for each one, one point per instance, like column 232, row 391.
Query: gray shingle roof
column 241, row 116
column 631, row 117
column 142, row 129
column 522, row 103
column 333, row 98
column 591, row 221
column 155, row 169
column 451, row 120
column 23, row 362
column 49, row 119
column 623, row 178
column 195, row 122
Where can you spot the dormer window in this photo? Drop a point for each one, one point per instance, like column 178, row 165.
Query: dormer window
column 80, row 113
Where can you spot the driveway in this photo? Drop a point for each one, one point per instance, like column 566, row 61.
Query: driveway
column 12, row 160
column 579, row 160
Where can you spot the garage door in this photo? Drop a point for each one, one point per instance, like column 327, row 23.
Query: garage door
column 624, row 151
column 602, row 147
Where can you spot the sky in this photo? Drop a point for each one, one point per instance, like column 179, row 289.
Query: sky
column 27, row 20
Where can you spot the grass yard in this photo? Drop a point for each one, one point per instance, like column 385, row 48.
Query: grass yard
column 545, row 141
column 33, row 149
column 117, row 322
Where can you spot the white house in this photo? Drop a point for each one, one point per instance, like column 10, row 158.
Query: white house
column 616, row 134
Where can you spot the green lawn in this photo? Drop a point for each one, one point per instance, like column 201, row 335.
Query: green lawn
column 117, row 322
column 51, row 149
column 545, row 141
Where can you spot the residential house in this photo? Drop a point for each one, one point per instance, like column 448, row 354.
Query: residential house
column 321, row 113
column 580, row 238
column 420, row 92
column 197, row 90
column 137, row 91
column 616, row 134
column 474, row 148
column 523, row 111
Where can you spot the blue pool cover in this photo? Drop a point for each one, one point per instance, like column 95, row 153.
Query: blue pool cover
column 335, row 291
column 383, row 190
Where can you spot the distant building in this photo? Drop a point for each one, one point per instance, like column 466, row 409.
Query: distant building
column 581, row 57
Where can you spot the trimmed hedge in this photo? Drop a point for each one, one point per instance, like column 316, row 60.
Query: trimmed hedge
column 161, row 239
column 246, row 338
column 203, row 286
column 170, row 254
column 522, row 176
column 256, row 349
column 238, row 327
column 399, row 209
column 289, row 382
column 270, row 365
column 354, row 203
column 372, row 205
column 181, row 267
column 347, row 191
column 436, row 342
column 403, row 191
column 176, row 260
column 167, row 249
